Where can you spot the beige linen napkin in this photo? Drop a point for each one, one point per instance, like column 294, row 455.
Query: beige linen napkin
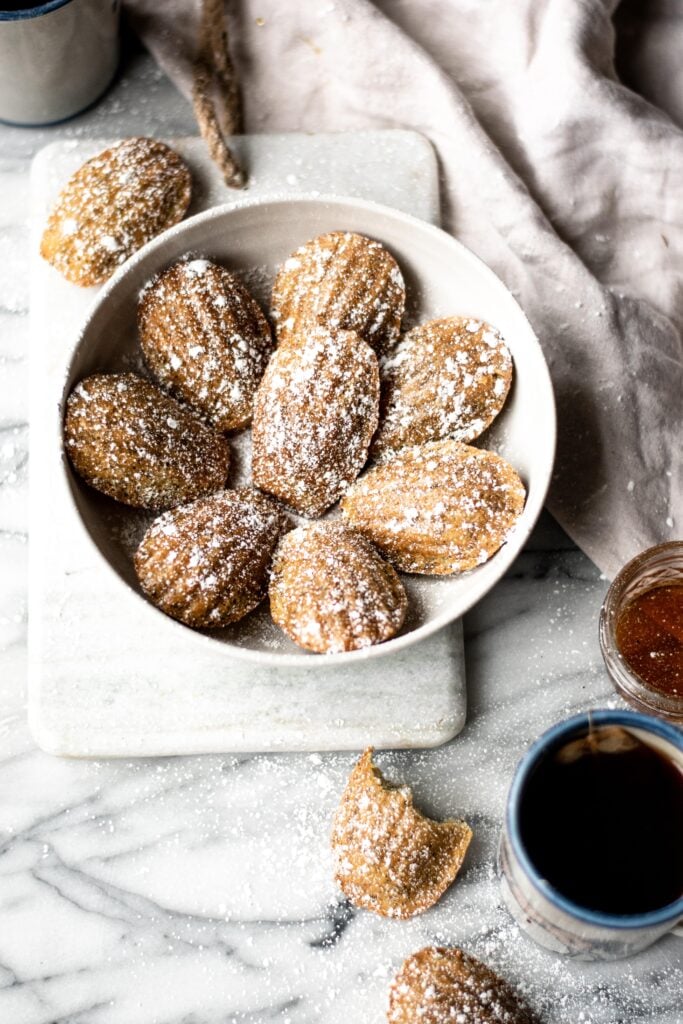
column 566, row 182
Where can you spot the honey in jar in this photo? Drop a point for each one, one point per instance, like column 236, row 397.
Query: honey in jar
column 649, row 634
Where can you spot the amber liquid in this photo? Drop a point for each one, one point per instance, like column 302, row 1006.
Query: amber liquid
column 649, row 634
column 602, row 820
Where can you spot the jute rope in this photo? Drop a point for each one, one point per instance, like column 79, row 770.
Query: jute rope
column 215, row 87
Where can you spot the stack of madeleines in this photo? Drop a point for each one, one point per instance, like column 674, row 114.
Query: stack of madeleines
column 332, row 387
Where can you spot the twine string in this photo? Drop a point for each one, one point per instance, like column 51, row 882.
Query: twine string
column 215, row 86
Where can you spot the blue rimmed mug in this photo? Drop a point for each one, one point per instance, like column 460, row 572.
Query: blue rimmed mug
column 56, row 58
column 548, row 917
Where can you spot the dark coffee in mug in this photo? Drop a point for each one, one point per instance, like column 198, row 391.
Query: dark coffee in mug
column 601, row 819
column 19, row 6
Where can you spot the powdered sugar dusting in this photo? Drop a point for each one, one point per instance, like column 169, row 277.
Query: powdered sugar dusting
column 448, row 378
column 438, row 508
column 341, row 280
column 137, row 445
column 388, row 857
column 314, row 415
column 441, row 985
column 112, row 205
column 205, row 338
column 206, row 563
column 330, row 591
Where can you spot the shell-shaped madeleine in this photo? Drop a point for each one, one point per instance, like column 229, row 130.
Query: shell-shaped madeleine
column 343, row 281
column 448, row 378
column 205, row 339
column 206, row 563
column 437, row 508
column 115, row 203
column 390, row 858
column 130, row 441
column 440, row 984
column 330, row 590
column 314, row 415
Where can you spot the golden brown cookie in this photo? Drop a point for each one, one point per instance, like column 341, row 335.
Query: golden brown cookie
column 389, row 858
column 205, row 339
column 448, row 378
column 340, row 280
column 115, row 203
column 206, row 564
column 330, row 590
column 440, row 985
column 129, row 440
column 314, row 416
column 437, row 508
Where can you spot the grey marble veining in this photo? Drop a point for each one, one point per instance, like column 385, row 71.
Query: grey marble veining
column 197, row 890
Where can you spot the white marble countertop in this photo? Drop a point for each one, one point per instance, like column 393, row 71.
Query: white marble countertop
column 198, row 890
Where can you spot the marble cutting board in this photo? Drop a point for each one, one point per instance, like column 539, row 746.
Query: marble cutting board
column 103, row 680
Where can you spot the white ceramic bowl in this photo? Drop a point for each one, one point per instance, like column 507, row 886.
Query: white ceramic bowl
column 442, row 278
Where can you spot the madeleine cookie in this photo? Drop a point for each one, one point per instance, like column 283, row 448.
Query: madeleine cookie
column 205, row 339
column 389, row 858
column 330, row 590
column 206, row 564
column 112, row 205
column 342, row 281
column 447, row 378
column 440, row 985
column 314, row 415
column 437, row 508
column 130, row 441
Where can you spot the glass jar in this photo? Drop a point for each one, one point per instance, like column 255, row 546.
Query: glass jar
column 652, row 568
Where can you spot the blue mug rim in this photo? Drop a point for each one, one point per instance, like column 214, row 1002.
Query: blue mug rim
column 26, row 13
column 663, row 915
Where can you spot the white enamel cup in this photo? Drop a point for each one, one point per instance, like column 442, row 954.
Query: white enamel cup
column 548, row 917
column 56, row 58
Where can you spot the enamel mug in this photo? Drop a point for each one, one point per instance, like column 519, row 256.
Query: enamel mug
column 548, row 917
column 56, row 58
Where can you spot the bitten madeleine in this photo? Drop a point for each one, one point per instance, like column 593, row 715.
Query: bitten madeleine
column 115, row 203
column 206, row 564
column 314, row 415
column 437, row 508
column 129, row 440
column 205, row 339
column 389, row 858
column 448, row 378
column 443, row 985
column 330, row 590
column 340, row 280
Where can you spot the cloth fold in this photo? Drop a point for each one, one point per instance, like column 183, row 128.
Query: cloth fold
column 565, row 181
